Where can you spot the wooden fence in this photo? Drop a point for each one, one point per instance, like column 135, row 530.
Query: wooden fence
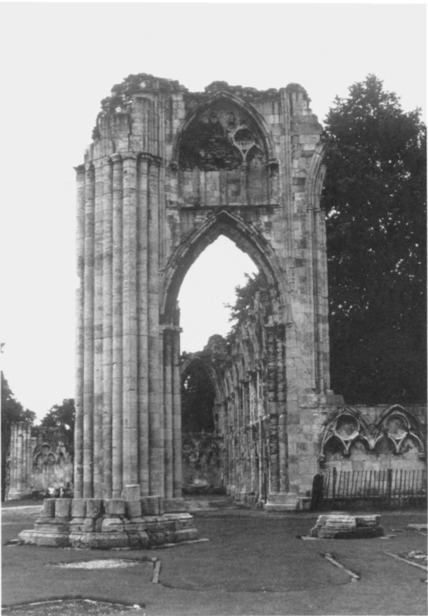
column 386, row 488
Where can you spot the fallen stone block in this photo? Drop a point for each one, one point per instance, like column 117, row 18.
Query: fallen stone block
column 347, row 527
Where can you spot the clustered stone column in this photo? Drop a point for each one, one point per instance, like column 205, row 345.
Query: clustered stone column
column 120, row 408
column 20, row 460
column 127, row 483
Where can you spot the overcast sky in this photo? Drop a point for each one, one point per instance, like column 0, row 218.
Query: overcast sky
column 60, row 60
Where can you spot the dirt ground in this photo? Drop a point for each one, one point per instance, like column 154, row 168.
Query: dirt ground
column 253, row 563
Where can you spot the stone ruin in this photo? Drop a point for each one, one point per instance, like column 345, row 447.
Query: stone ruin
column 168, row 172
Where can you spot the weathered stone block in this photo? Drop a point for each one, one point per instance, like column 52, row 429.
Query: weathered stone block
column 94, row 507
column 114, row 506
column 48, row 508
column 131, row 492
column 112, row 525
column 367, row 521
column 133, row 508
column 62, row 507
column 45, row 538
column 78, row 508
column 333, row 526
column 151, row 505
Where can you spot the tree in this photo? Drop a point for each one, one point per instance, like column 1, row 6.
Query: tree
column 62, row 416
column 374, row 200
column 11, row 411
column 244, row 301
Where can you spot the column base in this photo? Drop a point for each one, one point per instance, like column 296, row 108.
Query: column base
column 287, row 502
column 110, row 523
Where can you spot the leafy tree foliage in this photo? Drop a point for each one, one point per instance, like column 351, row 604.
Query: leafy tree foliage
column 375, row 202
column 244, row 301
column 62, row 416
column 11, row 411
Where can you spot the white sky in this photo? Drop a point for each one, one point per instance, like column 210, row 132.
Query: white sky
column 59, row 60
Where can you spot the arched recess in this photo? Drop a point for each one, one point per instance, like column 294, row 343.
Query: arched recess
column 203, row 459
column 212, row 374
column 248, row 110
column 224, row 155
column 246, row 239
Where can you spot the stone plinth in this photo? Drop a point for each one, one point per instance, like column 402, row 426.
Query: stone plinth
column 343, row 526
column 285, row 502
column 110, row 523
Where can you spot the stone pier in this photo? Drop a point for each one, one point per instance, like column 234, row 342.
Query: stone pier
column 168, row 172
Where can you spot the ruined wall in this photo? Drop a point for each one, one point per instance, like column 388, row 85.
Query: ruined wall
column 39, row 461
column 362, row 438
column 203, row 467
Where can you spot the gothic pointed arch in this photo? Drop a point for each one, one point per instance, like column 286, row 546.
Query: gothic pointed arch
column 396, row 425
column 344, row 429
column 224, row 154
column 199, row 359
column 232, row 114
column 244, row 236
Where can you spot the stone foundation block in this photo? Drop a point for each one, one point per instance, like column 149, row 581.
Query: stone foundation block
column 112, row 525
column 99, row 541
column 45, row 538
column 61, row 523
column 131, row 493
column 89, row 525
column 78, row 508
column 62, row 507
column 135, row 525
column 77, row 524
column 185, row 534
column 94, row 507
column 114, row 506
column 138, row 540
column 111, row 529
column 133, row 508
column 151, row 505
column 48, row 508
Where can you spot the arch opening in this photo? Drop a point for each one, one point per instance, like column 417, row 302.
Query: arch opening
column 244, row 237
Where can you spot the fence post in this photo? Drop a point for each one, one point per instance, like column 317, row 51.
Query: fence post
column 317, row 491
column 333, row 493
column 389, row 485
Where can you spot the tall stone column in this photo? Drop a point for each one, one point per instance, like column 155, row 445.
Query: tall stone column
column 143, row 326
column 272, row 386
column 107, row 340
column 80, row 298
column 176, row 414
column 98, row 392
column 117, row 326
column 155, row 371
column 88, row 324
column 168, row 411
column 130, row 330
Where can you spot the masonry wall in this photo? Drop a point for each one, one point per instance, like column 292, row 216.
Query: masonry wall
column 39, row 462
column 362, row 438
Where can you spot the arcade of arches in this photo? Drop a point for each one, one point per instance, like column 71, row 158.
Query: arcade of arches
column 168, row 172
